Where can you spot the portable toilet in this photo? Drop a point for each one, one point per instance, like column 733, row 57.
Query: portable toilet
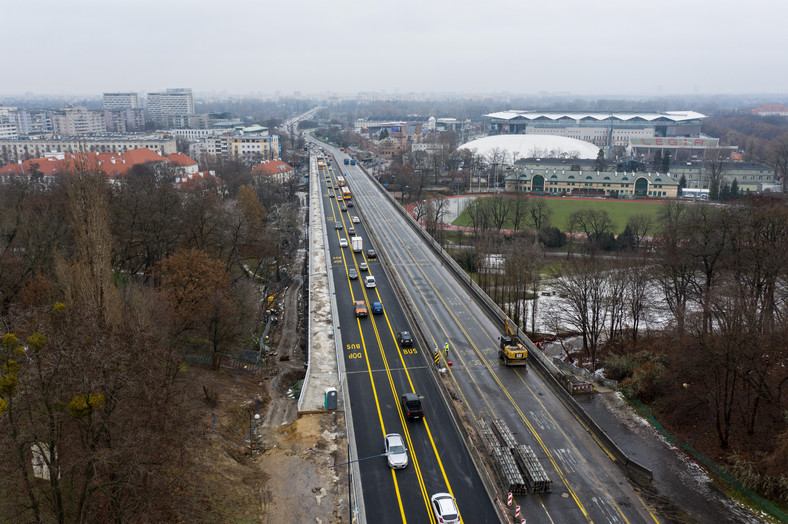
column 331, row 399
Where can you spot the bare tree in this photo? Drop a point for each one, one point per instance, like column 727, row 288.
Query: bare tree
column 582, row 283
column 496, row 157
column 518, row 212
column 707, row 230
column 635, row 295
column 539, row 213
column 500, row 208
column 595, row 223
column 640, row 225
column 677, row 269
column 716, row 165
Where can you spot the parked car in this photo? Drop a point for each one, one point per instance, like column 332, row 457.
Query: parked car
column 369, row 281
column 405, row 339
column 352, row 273
column 377, row 308
column 445, row 508
column 396, row 453
column 343, row 242
column 411, row 406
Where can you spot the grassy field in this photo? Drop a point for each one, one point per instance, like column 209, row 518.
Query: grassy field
column 619, row 211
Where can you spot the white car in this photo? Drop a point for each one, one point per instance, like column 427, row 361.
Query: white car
column 369, row 281
column 343, row 242
column 396, row 453
column 355, row 219
column 445, row 508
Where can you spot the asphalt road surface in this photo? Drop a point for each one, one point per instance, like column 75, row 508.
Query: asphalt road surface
column 378, row 373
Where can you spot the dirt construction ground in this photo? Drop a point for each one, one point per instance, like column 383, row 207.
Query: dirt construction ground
column 288, row 478
column 286, row 473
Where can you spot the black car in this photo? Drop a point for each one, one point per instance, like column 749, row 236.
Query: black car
column 371, row 254
column 338, row 226
column 411, row 406
column 405, row 339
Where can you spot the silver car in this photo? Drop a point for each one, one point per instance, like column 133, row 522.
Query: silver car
column 445, row 508
column 396, row 453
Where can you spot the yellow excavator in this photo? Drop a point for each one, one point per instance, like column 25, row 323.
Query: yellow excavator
column 512, row 352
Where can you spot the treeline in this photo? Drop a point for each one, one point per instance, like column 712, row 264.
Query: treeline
column 102, row 290
column 757, row 137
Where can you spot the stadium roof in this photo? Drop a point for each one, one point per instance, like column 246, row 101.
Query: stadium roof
column 675, row 116
column 534, row 146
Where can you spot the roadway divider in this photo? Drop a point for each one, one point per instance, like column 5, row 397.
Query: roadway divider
column 537, row 360
column 317, row 228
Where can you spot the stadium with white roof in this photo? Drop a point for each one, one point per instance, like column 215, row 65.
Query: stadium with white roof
column 604, row 129
column 531, row 146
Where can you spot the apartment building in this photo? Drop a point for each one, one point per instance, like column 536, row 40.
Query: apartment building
column 77, row 121
column 190, row 121
column 124, row 120
column 12, row 151
column 254, row 148
column 121, row 101
column 170, row 102
column 8, row 131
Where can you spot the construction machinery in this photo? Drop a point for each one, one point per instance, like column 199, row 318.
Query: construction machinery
column 512, row 352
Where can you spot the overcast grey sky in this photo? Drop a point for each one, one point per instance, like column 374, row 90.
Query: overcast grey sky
column 624, row 47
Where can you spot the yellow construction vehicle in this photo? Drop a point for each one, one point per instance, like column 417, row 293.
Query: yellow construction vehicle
column 512, row 352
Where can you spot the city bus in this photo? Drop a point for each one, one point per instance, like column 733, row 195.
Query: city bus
column 346, row 192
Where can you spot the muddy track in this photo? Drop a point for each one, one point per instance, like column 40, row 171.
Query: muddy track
column 282, row 410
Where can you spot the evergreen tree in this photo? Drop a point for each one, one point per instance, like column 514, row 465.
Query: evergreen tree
column 384, row 133
column 666, row 162
column 682, row 183
column 600, row 164
column 714, row 190
column 735, row 189
column 657, row 159
column 725, row 192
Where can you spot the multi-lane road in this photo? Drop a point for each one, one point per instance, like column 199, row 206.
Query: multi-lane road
column 588, row 486
column 378, row 373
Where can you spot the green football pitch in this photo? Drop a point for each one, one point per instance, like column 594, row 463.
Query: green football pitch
column 618, row 210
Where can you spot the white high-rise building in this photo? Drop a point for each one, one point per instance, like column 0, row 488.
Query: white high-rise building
column 170, row 102
column 121, row 101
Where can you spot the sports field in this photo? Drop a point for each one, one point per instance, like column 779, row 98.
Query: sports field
column 619, row 211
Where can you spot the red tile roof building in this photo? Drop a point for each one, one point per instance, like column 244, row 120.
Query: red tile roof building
column 111, row 165
column 184, row 162
column 771, row 110
column 278, row 169
column 198, row 180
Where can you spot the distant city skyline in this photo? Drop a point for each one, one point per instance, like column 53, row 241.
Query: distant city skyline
column 87, row 47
